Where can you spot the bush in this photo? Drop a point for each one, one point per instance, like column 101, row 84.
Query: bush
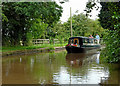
column 112, row 51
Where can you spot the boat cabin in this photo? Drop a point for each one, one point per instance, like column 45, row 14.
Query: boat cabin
column 79, row 41
column 78, row 44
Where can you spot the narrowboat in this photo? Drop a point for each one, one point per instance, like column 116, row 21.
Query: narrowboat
column 81, row 44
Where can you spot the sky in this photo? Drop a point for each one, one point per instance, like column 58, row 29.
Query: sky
column 75, row 5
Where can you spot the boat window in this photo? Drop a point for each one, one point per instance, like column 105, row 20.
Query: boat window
column 71, row 41
column 76, row 41
column 88, row 40
column 85, row 40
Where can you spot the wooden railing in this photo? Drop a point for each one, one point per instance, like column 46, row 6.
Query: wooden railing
column 92, row 40
column 45, row 41
column 55, row 41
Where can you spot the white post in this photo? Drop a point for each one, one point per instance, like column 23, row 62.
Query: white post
column 71, row 21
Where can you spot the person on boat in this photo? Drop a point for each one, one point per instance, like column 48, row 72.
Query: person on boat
column 91, row 38
column 97, row 38
column 75, row 42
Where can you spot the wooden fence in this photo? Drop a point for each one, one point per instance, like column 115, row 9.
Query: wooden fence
column 45, row 41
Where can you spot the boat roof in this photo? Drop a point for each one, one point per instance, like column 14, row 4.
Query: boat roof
column 78, row 37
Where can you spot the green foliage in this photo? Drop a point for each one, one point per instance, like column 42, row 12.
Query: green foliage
column 29, row 39
column 51, row 40
column 21, row 18
column 112, row 51
column 112, row 39
column 60, row 31
column 4, row 18
column 109, row 19
column 38, row 29
column 89, row 7
column 106, row 13
column 83, row 26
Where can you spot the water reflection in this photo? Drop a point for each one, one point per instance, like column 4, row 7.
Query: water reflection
column 75, row 59
column 56, row 68
column 81, row 59
column 83, row 69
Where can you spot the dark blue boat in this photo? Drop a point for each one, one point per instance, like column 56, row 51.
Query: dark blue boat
column 81, row 44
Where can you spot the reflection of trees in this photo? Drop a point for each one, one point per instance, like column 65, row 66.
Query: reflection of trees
column 15, row 70
column 75, row 60
column 114, row 76
column 79, row 63
column 37, row 68
column 80, row 59
column 46, row 65
column 41, row 68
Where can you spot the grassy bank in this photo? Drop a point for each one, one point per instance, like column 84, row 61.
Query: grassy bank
column 18, row 48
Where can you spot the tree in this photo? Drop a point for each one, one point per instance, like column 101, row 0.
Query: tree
column 106, row 13
column 112, row 39
column 83, row 26
column 38, row 29
column 109, row 19
column 23, row 15
column 60, row 31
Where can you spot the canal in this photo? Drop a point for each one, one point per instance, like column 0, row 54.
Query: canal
column 59, row 68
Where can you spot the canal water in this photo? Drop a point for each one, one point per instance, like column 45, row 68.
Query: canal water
column 59, row 68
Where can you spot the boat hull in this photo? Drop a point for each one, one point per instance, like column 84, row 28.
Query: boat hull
column 73, row 49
